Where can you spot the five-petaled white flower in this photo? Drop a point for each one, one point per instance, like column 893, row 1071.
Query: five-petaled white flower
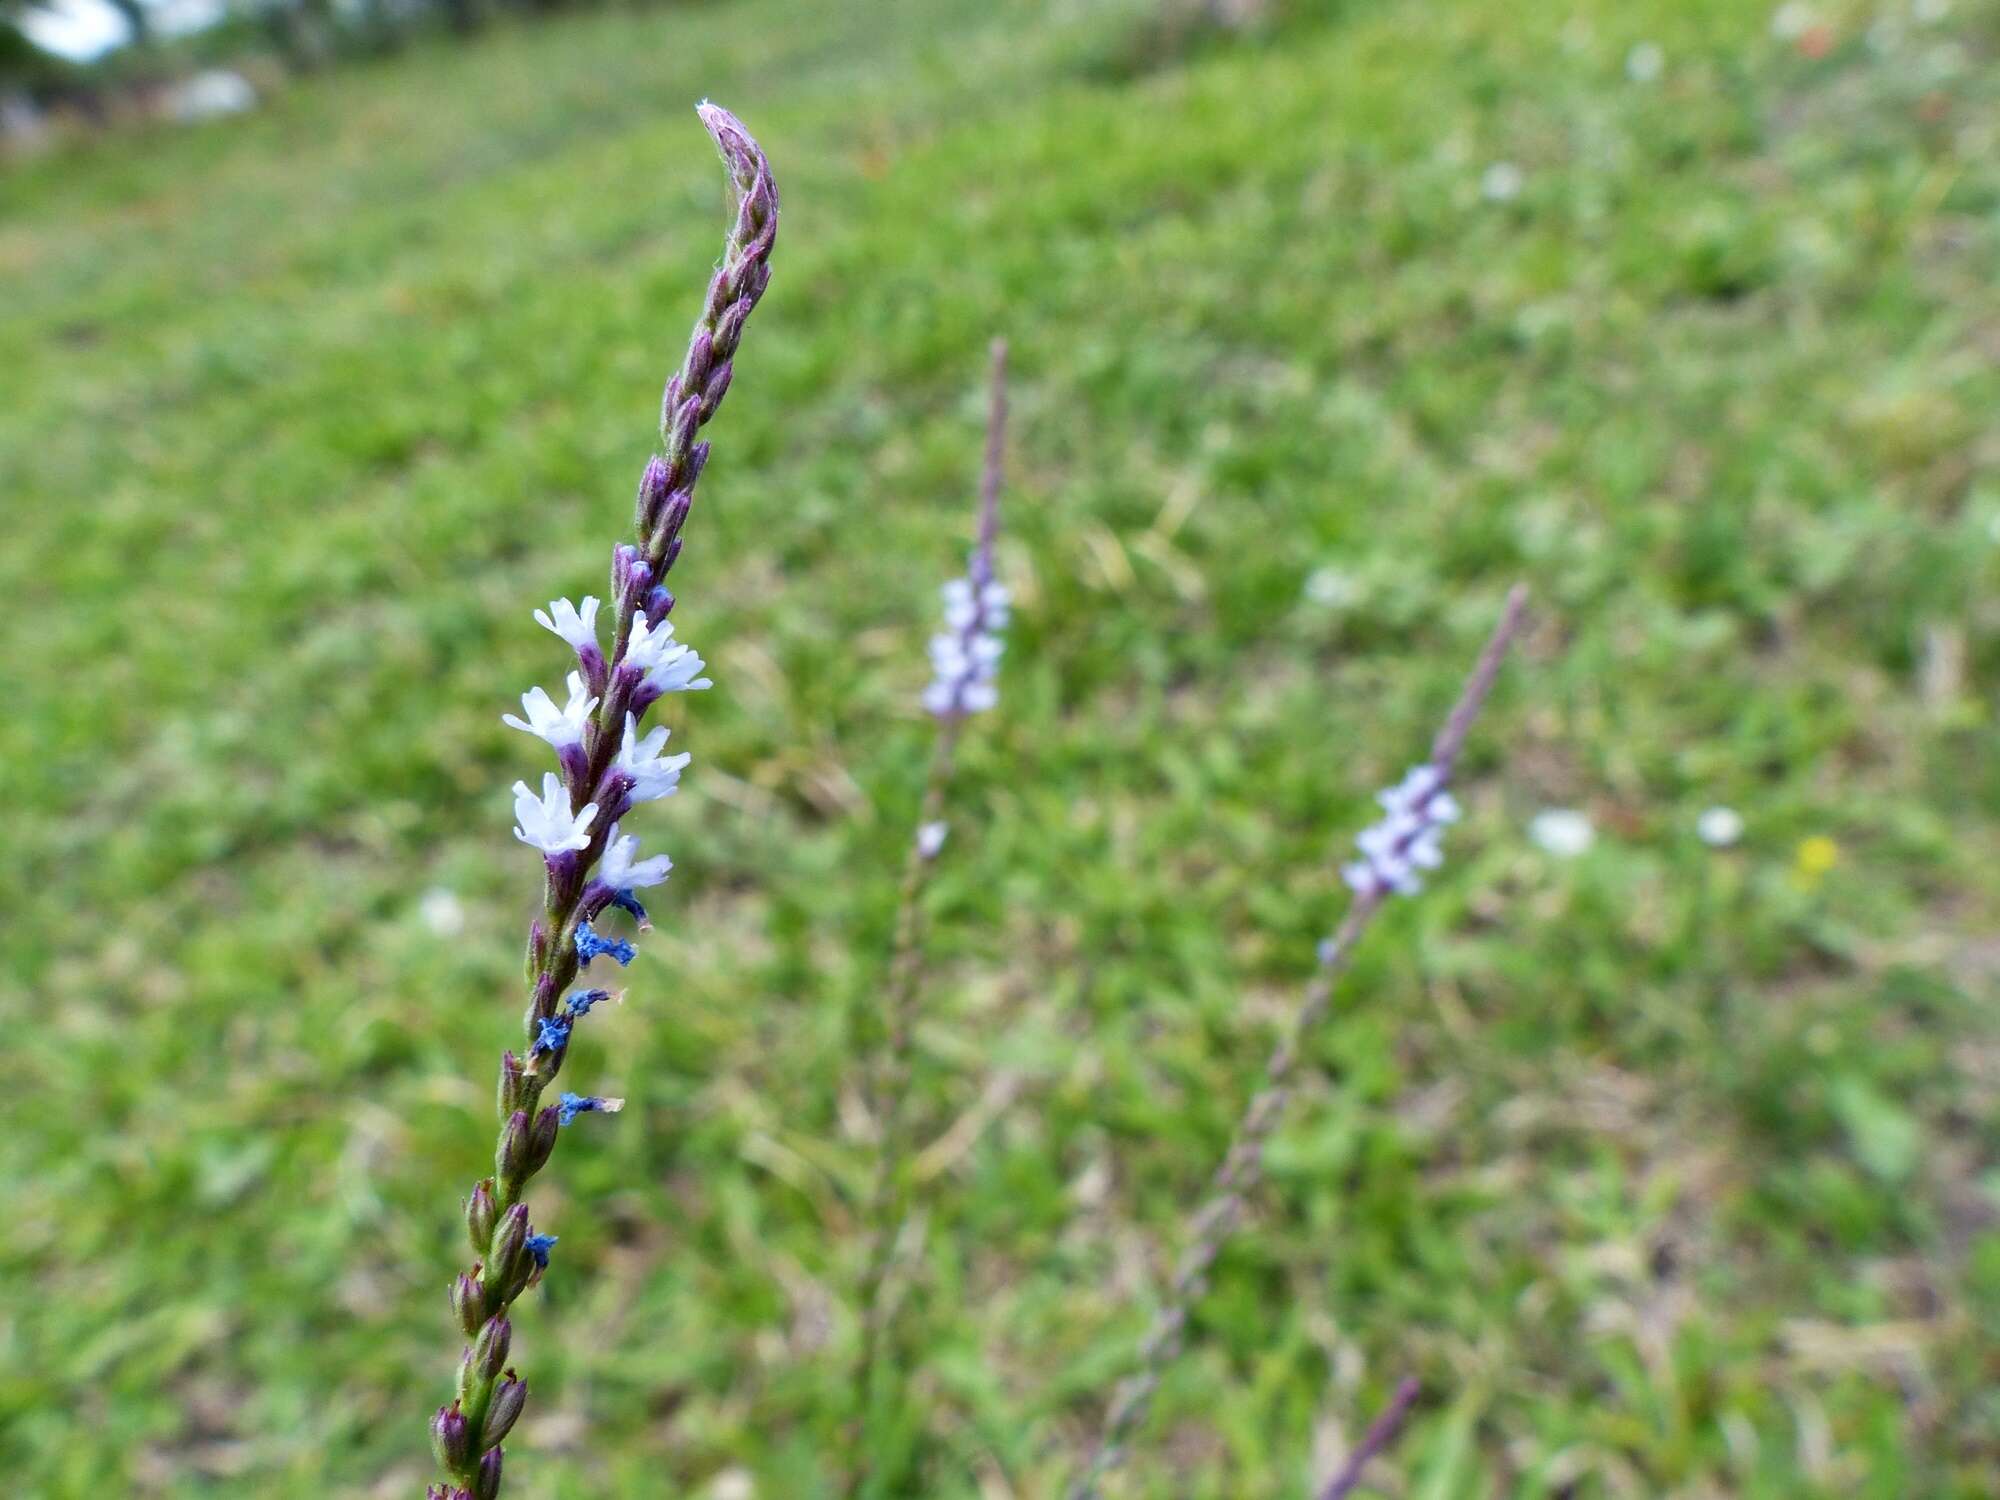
column 622, row 871
column 559, row 726
column 652, row 775
column 669, row 667
column 578, row 628
column 546, row 823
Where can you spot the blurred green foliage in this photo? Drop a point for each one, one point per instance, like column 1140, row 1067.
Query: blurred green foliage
column 1669, row 1169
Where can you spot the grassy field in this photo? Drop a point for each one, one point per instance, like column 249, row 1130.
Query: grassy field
column 1671, row 1170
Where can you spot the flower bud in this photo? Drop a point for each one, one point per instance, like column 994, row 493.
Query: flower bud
column 486, row 1482
column 480, row 1216
column 513, row 1085
column 542, row 1140
column 505, row 1266
column 451, row 1438
column 468, row 1303
column 510, row 1157
column 505, row 1409
column 489, row 1350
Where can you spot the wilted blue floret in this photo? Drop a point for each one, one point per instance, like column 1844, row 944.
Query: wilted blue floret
column 553, row 1035
column 589, row 945
column 569, row 1106
column 626, row 901
column 579, row 1004
column 538, row 1247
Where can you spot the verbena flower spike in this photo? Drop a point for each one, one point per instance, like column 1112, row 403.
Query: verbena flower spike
column 607, row 768
column 1404, row 841
column 965, row 657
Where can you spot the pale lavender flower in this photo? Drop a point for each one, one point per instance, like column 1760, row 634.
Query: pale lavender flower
column 650, row 774
column 659, row 664
column 579, row 628
column 547, row 823
column 621, row 874
column 1408, row 837
column 561, row 728
column 965, row 655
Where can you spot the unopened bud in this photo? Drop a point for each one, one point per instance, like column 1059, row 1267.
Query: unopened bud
column 505, row 1266
column 468, row 1303
column 489, row 1350
column 451, row 1438
column 510, row 1157
column 505, row 1409
column 486, row 1482
column 542, row 1139
column 513, row 1084
column 480, row 1214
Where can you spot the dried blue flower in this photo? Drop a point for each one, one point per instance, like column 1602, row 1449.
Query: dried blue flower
column 538, row 1248
column 589, row 945
column 552, row 1035
column 569, row 1106
column 580, row 1004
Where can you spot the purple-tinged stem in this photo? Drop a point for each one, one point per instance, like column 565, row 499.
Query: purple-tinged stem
column 467, row 1434
column 888, row 1088
column 1381, row 1433
column 1243, row 1164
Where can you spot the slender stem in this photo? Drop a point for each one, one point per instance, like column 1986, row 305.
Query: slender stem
column 1243, row 1164
column 467, row 1434
column 1380, row 1434
column 889, row 1077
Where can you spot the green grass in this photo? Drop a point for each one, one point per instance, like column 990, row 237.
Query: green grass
column 1670, row 1171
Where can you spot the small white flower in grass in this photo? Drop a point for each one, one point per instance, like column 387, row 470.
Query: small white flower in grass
column 668, row 666
column 1562, row 831
column 1645, row 63
column 652, row 775
column 1719, row 827
column 1332, row 589
column 578, row 628
column 560, row 727
column 930, row 838
column 442, row 912
column 546, row 823
column 623, row 870
column 1502, row 182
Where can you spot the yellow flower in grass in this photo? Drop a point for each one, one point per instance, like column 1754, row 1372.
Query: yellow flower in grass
column 1813, row 858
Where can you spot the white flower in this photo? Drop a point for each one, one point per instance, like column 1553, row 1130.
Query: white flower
column 547, row 823
column 653, row 775
column 1501, row 183
column 1645, row 63
column 1562, row 831
column 559, row 726
column 621, row 871
column 1332, row 589
column 1719, row 827
column 442, row 912
column 669, row 667
column 930, row 838
column 579, row 629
